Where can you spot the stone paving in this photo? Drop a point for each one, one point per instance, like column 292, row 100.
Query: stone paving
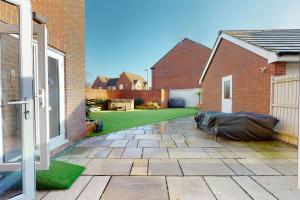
column 175, row 160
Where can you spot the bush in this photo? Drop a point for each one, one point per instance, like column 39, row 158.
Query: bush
column 176, row 103
column 138, row 101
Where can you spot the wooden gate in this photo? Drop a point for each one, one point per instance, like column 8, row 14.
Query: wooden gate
column 285, row 106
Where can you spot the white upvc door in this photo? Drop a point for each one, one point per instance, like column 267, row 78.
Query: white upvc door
column 227, row 94
column 17, row 165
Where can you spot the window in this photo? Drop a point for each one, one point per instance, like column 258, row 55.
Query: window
column 121, row 87
column 227, row 89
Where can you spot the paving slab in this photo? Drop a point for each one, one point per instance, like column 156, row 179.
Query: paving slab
column 188, row 188
column 165, row 167
column 193, row 167
column 191, row 142
column 224, row 188
column 115, row 136
column 258, row 167
column 109, row 167
column 132, row 153
column 181, row 145
column 213, row 153
column 155, row 153
column 246, row 152
column 119, row 143
column 76, row 161
column 132, row 143
column 79, row 152
column 41, row 194
column 139, row 171
column 116, row 153
column 147, row 137
column 128, row 137
column 237, row 167
column 89, row 142
column 101, row 152
column 138, row 132
column 140, row 163
column 69, row 194
column 227, row 153
column 284, row 166
column 167, row 143
column 252, row 188
column 136, row 188
column 94, row 189
column 187, row 153
column 283, row 187
column 148, row 143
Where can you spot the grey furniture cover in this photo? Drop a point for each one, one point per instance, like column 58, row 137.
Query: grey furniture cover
column 242, row 126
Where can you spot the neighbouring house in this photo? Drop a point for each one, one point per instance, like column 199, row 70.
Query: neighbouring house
column 100, row 82
column 112, row 84
column 65, row 22
column 179, row 70
column 130, row 81
column 239, row 72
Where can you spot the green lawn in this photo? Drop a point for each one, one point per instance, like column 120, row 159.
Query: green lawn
column 119, row 120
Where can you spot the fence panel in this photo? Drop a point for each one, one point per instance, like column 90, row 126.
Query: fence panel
column 285, row 104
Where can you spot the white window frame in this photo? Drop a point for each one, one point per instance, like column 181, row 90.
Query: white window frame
column 121, row 87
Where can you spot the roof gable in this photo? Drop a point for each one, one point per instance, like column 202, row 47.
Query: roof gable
column 185, row 41
column 133, row 78
column 270, row 55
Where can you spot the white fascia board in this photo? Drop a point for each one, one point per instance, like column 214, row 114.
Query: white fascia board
column 285, row 58
column 270, row 56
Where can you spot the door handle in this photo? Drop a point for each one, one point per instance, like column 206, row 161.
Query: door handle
column 25, row 102
column 17, row 102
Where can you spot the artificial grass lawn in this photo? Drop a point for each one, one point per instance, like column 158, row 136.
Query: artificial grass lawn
column 60, row 176
column 120, row 120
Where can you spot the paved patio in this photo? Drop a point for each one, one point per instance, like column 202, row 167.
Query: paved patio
column 175, row 160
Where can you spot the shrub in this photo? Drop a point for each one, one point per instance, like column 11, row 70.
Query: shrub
column 138, row 101
column 176, row 102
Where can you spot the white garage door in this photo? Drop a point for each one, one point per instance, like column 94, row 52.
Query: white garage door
column 191, row 96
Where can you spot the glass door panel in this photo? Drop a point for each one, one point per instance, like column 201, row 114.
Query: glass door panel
column 11, row 116
column 53, row 82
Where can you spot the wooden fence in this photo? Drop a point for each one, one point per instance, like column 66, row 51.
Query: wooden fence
column 285, row 106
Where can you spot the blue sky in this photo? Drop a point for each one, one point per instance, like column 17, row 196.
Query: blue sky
column 131, row 35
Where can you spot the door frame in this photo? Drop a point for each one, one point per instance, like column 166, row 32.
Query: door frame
column 61, row 139
column 226, row 78
column 26, row 74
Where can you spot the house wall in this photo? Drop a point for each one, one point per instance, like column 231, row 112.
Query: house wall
column 250, row 86
column 127, row 85
column 66, row 32
column 98, row 83
column 180, row 68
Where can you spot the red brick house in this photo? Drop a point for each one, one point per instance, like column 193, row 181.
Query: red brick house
column 65, row 22
column 130, row 81
column 181, row 66
column 238, row 74
column 100, row 82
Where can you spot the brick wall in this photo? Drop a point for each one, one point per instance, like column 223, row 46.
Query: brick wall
column 181, row 67
column 250, row 86
column 66, row 32
column 74, row 29
column 159, row 96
